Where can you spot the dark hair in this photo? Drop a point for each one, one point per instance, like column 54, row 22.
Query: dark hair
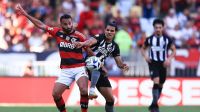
column 114, row 24
column 158, row 21
column 65, row 16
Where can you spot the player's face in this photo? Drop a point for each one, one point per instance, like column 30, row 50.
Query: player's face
column 158, row 29
column 110, row 32
column 67, row 25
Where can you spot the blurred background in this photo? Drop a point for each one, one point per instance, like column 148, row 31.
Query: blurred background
column 28, row 54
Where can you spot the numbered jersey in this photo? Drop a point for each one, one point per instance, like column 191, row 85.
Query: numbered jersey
column 103, row 49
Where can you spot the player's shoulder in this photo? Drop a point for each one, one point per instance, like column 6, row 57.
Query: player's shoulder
column 151, row 36
column 167, row 37
column 80, row 34
column 98, row 36
column 115, row 44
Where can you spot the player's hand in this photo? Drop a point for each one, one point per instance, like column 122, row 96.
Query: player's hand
column 78, row 44
column 167, row 63
column 125, row 68
column 20, row 10
column 148, row 60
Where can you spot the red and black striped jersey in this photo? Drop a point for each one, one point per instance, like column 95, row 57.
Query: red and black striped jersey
column 70, row 55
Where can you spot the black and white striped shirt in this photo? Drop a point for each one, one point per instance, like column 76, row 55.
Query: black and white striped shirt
column 103, row 49
column 158, row 47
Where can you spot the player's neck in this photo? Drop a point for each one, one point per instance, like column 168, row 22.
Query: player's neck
column 158, row 35
column 68, row 33
column 108, row 40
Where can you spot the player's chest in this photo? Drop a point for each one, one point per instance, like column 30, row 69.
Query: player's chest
column 66, row 41
column 62, row 37
column 159, row 42
column 106, row 48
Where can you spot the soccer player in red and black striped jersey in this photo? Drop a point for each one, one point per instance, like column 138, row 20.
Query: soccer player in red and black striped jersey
column 72, row 60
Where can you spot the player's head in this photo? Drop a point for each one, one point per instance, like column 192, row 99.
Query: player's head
column 66, row 23
column 158, row 25
column 110, row 30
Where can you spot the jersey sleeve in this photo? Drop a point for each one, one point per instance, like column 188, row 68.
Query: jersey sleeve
column 98, row 38
column 116, row 51
column 146, row 43
column 170, row 42
column 52, row 30
column 81, row 36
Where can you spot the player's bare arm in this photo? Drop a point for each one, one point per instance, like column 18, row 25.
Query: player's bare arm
column 35, row 21
column 86, row 43
column 143, row 49
column 120, row 63
column 171, row 56
column 89, row 51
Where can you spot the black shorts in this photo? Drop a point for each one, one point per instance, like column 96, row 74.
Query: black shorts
column 157, row 69
column 103, row 80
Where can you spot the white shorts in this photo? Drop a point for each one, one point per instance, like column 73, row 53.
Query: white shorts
column 68, row 75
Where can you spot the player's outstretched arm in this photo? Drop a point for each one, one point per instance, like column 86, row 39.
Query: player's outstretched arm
column 89, row 51
column 120, row 63
column 35, row 21
column 86, row 43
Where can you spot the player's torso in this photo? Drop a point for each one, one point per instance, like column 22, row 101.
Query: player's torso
column 158, row 48
column 158, row 44
column 70, row 55
column 103, row 48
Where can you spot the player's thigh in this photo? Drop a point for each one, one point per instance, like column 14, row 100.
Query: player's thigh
column 81, row 79
column 163, row 75
column 66, row 77
column 58, row 89
column 82, row 83
column 154, row 73
column 107, row 93
column 104, row 87
column 103, row 81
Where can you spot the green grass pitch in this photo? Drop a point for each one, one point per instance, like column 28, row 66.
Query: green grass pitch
column 101, row 109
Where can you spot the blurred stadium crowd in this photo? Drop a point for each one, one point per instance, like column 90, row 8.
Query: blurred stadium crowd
column 134, row 17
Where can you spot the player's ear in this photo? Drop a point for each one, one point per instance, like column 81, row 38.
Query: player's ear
column 75, row 25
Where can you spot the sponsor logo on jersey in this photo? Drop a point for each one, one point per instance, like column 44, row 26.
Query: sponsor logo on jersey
column 67, row 45
column 50, row 29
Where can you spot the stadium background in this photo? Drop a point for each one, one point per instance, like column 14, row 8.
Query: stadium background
column 29, row 61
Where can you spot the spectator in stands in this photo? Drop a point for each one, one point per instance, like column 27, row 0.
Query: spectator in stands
column 28, row 70
column 183, row 17
column 177, row 34
column 148, row 9
column 3, row 42
column 123, row 39
column 188, row 31
column 171, row 19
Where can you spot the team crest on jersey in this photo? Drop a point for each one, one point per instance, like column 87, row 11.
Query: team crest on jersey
column 109, row 47
column 67, row 38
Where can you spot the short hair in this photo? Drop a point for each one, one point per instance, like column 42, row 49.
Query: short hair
column 65, row 16
column 114, row 24
column 158, row 21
